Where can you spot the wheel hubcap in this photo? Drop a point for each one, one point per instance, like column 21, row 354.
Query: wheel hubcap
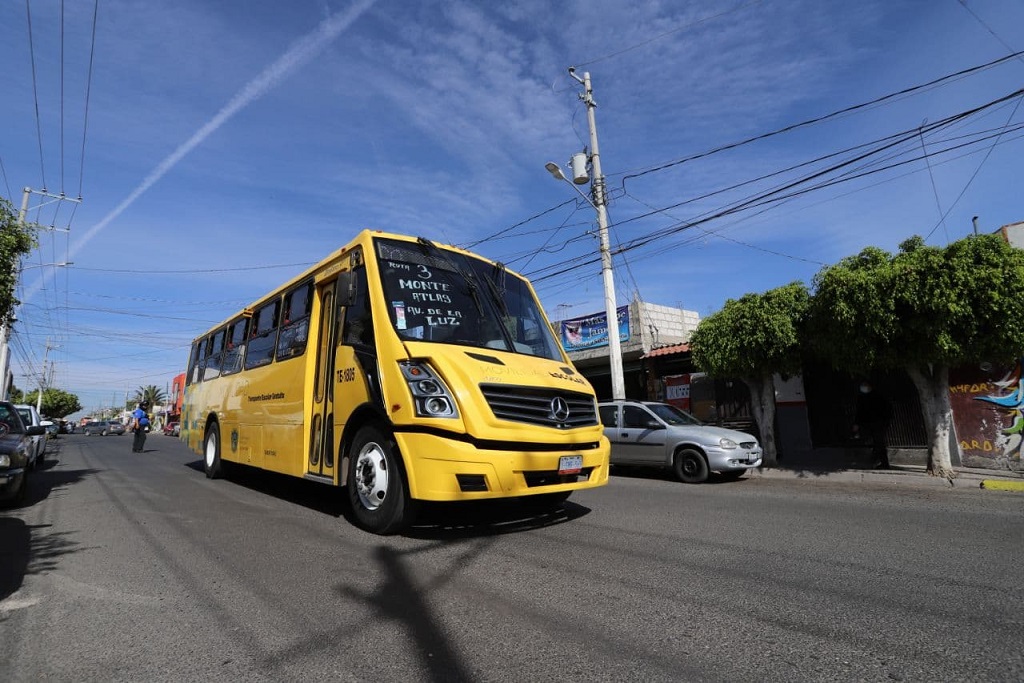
column 371, row 476
column 211, row 452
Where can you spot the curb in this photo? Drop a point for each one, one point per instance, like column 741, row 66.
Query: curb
column 1002, row 485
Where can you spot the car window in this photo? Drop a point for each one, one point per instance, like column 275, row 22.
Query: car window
column 672, row 415
column 609, row 415
column 635, row 416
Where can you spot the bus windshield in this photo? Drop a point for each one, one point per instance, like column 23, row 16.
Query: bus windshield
column 446, row 297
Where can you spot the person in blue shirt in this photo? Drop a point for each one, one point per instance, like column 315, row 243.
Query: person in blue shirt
column 140, row 424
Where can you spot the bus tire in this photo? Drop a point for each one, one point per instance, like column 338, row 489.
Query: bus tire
column 211, row 453
column 376, row 484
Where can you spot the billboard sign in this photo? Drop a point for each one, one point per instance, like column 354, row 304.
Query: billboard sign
column 591, row 332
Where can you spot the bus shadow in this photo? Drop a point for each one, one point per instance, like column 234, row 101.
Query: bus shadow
column 434, row 521
column 318, row 497
column 451, row 521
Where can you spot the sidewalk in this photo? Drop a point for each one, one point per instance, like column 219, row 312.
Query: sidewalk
column 906, row 475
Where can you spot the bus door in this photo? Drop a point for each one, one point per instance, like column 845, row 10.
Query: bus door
column 355, row 365
column 321, row 459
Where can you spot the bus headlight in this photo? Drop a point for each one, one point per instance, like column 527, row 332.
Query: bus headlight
column 5, row 461
column 430, row 395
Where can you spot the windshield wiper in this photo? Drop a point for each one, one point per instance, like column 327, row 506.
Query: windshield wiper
column 426, row 246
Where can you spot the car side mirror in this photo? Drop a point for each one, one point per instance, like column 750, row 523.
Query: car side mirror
column 36, row 430
column 654, row 424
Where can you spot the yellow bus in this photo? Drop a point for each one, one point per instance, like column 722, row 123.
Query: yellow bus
column 403, row 371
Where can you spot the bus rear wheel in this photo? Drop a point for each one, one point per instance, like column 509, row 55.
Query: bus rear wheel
column 376, row 484
column 211, row 453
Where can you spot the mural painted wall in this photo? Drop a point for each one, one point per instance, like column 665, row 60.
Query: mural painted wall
column 988, row 414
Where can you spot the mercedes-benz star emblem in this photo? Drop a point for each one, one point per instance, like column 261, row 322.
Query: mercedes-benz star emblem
column 559, row 409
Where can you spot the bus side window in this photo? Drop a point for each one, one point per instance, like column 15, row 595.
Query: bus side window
column 262, row 336
column 295, row 322
column 234, row 349
column 358, row 325
column 193, row 363
column 213, row 356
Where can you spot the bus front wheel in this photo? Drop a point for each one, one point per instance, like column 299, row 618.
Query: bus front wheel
column 376, row 485
column 211, row 453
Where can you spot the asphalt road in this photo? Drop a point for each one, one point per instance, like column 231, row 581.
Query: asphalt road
column 126, row 567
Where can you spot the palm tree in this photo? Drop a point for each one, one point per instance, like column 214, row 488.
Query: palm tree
column 152, row 394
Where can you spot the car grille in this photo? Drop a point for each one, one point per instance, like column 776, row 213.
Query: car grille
column 536, row 406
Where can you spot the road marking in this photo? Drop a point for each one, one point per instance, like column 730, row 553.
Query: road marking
column 1002, row 485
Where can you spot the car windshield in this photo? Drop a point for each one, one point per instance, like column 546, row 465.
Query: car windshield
column 11, row 419
column 441, row 296
column 672, row 415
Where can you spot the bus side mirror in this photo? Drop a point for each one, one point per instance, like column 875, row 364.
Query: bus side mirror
column 346, row 288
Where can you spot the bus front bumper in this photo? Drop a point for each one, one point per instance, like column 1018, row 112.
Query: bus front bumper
column 442, row 469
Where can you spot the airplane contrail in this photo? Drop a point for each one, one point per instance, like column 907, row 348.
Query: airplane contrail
column 304, row 49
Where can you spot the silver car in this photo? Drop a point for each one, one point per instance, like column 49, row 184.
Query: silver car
column 31, row 418
column 661, row 435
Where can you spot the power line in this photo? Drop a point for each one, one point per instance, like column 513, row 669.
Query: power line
column 88, row 90
column 770, row 197
column 819, row 119
column 197, row 270
column 502, row 234
column 35, row 93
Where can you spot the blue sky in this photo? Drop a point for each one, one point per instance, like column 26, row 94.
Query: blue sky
column 230, row 144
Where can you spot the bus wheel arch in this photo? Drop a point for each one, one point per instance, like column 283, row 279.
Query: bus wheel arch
column 377, row 485
column 212, row 463
column 362, row 416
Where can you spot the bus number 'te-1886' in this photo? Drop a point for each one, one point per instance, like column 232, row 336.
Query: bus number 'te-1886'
column 346, row 375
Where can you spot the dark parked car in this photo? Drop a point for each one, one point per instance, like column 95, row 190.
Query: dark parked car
column 101, row 427
column 15, row 449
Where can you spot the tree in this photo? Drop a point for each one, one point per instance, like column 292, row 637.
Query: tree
column 752, row 338
column 922, row 311
column 152, row 394
column 16, row 240
column 56, row 403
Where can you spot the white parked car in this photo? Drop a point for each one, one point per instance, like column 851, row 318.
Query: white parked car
column 661, row 435
column 31, row 418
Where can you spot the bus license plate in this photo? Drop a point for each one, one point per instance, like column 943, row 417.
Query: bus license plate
column 570, row 464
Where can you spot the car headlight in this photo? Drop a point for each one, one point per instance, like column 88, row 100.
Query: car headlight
column 727, row 443
column 5, row 461
column 430, row 395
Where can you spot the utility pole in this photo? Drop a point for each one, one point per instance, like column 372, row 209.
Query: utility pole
column 5, row 329
column 42, row 377
column 597, row 189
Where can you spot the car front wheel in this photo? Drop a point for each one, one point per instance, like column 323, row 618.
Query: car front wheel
column 690, row 466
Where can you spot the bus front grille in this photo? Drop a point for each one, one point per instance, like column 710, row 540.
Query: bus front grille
column 546, row 407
